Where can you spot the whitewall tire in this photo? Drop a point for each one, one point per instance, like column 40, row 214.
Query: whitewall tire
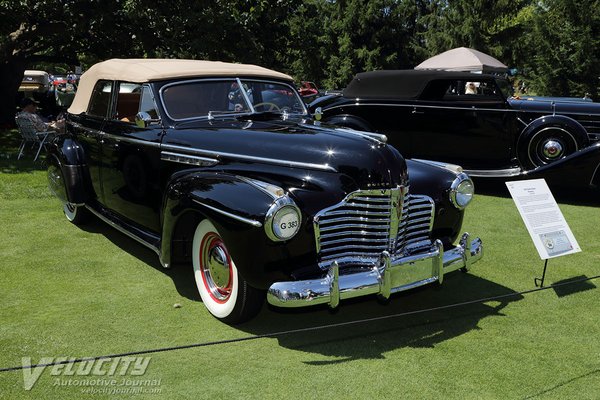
column 77, row 215
column 224, row 292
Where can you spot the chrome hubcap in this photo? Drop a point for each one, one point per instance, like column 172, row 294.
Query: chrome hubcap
column 216, row 268
column 552, row 149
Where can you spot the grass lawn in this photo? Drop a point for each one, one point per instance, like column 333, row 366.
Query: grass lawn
column 66, row 291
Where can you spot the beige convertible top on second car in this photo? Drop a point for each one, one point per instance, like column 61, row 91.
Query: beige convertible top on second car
column 147, row 70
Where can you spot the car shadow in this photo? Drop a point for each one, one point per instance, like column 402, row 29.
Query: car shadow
column 366, row 329
column 183, row 278
column 362, row 328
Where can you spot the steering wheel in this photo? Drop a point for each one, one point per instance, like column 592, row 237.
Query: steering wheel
column 271, row 106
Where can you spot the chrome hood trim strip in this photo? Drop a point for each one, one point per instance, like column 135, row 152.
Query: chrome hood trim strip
column 245, row 157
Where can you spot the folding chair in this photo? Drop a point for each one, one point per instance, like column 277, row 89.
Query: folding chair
column 30, row 135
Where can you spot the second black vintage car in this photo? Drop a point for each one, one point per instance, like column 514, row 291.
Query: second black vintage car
column 473, row 120
column 219, row 167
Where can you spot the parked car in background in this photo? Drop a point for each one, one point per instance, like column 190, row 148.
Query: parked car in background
column 35, row 82
column 472, row 120
column 308, row 90
column 219, row 167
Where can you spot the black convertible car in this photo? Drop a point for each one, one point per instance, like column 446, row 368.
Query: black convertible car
column 472, row 120
column 219, row 167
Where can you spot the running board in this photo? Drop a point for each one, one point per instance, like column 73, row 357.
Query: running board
column 147, row 239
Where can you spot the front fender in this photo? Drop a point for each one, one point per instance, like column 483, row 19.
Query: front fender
column 237, row 209
column 349, row 121
column 429, row 179
column 553, row 120
column 578, row 170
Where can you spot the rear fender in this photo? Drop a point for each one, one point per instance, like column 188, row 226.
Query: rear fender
column 554, row 120
column 67, row 171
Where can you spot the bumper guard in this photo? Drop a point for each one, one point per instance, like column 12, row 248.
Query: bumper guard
column 388, row 275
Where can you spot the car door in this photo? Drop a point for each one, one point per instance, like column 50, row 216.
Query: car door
column 131, row 157
column 87, row 128
column 472, row 130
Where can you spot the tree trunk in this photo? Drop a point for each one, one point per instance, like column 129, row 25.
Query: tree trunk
column 11, row 71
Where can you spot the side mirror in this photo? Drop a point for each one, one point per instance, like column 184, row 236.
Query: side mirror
column 318, row 113
column 142, row 119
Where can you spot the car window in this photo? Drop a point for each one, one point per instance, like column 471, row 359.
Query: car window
column 472, row 90
column 128, row 101
column 100, row 100
column 147, row 103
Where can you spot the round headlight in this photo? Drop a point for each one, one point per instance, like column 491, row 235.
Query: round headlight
column 462, row 191
column 283, row 220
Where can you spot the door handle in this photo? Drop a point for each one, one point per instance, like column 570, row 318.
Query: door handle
column 414, row 111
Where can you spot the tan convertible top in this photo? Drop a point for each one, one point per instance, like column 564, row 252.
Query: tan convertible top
column 147, row 70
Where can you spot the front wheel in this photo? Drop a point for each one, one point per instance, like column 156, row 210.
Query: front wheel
column 224, row 292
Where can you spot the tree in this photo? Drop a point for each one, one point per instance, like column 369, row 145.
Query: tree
column 564, row 48
column 34, row 31
column 492, row 27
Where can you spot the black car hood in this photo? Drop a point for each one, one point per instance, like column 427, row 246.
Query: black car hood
column 297, row 144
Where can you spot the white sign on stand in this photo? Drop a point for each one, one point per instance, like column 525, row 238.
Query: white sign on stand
column 547, row 227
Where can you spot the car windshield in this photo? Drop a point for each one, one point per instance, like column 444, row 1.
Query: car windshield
column 216, row 97
column 505, row 87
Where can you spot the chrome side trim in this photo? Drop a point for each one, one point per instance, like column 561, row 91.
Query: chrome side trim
column 494, row 173
column 126, row 139
column 230, row 215
column 504, row 110
column 424, row 106
column 214, row 154
column 188, row 159
column 123, row 230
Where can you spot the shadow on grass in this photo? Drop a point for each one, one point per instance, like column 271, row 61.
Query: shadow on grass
column 565, row 383
column 366, row 340
column 183, row 278
column 371, row 339
column 573, row 285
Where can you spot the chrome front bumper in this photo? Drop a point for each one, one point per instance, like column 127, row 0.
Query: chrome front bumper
column 388, row 275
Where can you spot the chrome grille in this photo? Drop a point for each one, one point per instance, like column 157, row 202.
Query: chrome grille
column 416, row 224
column 368, row 222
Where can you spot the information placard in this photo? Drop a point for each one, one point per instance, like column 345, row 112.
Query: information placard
column 543, row 219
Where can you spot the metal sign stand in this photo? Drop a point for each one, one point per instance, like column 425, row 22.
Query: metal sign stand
column 535, row 280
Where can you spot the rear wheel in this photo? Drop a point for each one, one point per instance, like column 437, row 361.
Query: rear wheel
column 77, row 215
column 224, row 292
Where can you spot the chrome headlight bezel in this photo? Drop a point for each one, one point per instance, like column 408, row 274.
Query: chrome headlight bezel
column 283, row 206
column 462, row 191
